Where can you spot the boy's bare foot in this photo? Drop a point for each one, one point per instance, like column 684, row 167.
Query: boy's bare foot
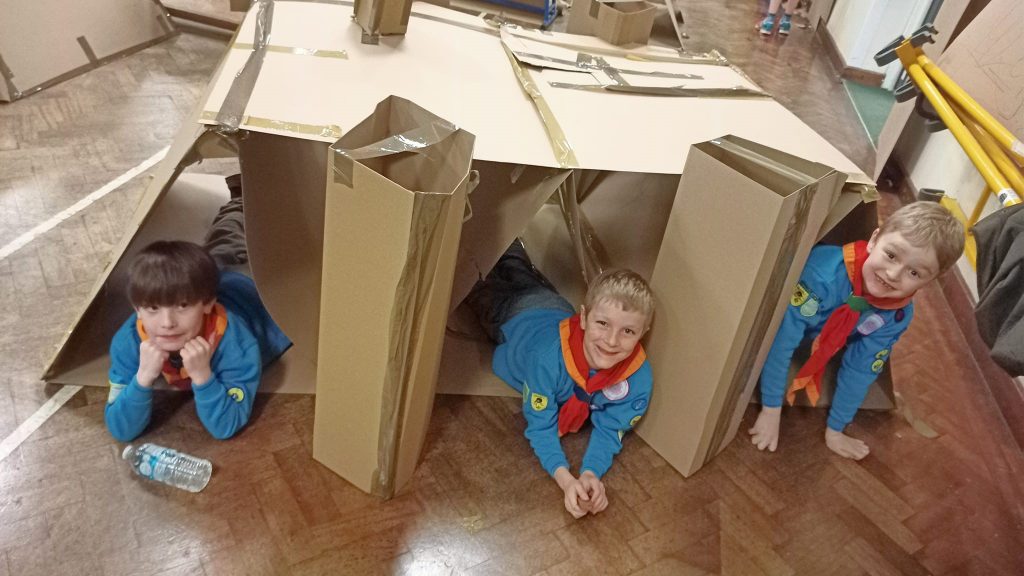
column 765, row 433
column 845, row 446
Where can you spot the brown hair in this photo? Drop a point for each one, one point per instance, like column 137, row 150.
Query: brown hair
column 625, row 287
column 925, row 224
column 167, row 273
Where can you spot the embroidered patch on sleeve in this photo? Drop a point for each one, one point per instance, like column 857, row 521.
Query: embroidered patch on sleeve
column 115, row 391
column 237, row 394
column 538, row 402
column 800, row 295
column 810, row 307
column 877, row 365
column 639, row 404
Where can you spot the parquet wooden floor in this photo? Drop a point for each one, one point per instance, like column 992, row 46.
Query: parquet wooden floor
column 479, row 504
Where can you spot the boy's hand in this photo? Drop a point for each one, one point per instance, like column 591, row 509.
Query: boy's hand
column 765, row 432
column 195, row 356
column 151, row 363
column 595, row 490
column 576, row 499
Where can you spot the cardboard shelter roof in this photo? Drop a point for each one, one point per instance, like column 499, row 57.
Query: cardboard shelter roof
column 317, row 80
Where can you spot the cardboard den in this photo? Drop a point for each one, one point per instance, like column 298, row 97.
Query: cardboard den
column 546, row 154
column 626, row 22
column 44, row 43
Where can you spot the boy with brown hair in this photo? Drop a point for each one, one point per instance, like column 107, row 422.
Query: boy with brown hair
column 570, row 367
column 199, row 328
column 857, row 296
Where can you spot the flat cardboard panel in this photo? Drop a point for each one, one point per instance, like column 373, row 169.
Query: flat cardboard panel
column 986, row 61
column 284, row 180
column 737, row 237
column 39, row 38
column 505, row 199
column 184, row 212
column 429, row 66
column 392, row 227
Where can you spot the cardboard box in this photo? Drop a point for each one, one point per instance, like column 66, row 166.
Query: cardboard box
column 627, row 22
column 741, row 228
column 451, row 64
column 382, row 17
column 42, row 43
column 391, row 235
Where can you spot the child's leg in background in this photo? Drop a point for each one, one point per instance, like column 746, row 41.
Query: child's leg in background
column 512, row 286
column 225, row 241
column 768, row 24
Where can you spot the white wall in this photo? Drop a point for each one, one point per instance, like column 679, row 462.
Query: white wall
column 861, row 28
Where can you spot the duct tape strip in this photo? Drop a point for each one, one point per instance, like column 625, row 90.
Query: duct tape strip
column 586, row 62
column 591, row 62
column 340, row 54
column 675, row 91
column 408, row 315
column 489, row 29
column 324, row 131
column 419, row 140
column 612, row 73
column 559, row 143
column 87, row 49
column 919, row 426
column 12, row 91
column 230, row 115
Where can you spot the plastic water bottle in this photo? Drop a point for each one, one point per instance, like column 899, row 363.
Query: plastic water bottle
column 169, row 466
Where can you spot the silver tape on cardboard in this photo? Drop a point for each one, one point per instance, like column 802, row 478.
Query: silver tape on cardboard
column 418, row 140
column 231, row 111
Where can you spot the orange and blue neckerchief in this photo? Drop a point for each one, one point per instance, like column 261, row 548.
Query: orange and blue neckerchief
column 214, row 325
column 840, row 324
column 574, row 413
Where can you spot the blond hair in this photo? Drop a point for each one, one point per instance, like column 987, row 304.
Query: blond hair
column 624, row 287
column 925, row 224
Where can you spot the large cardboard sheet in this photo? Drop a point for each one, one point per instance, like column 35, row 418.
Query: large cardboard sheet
column 44, row 40
column 464, row 74
column 987, row 60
